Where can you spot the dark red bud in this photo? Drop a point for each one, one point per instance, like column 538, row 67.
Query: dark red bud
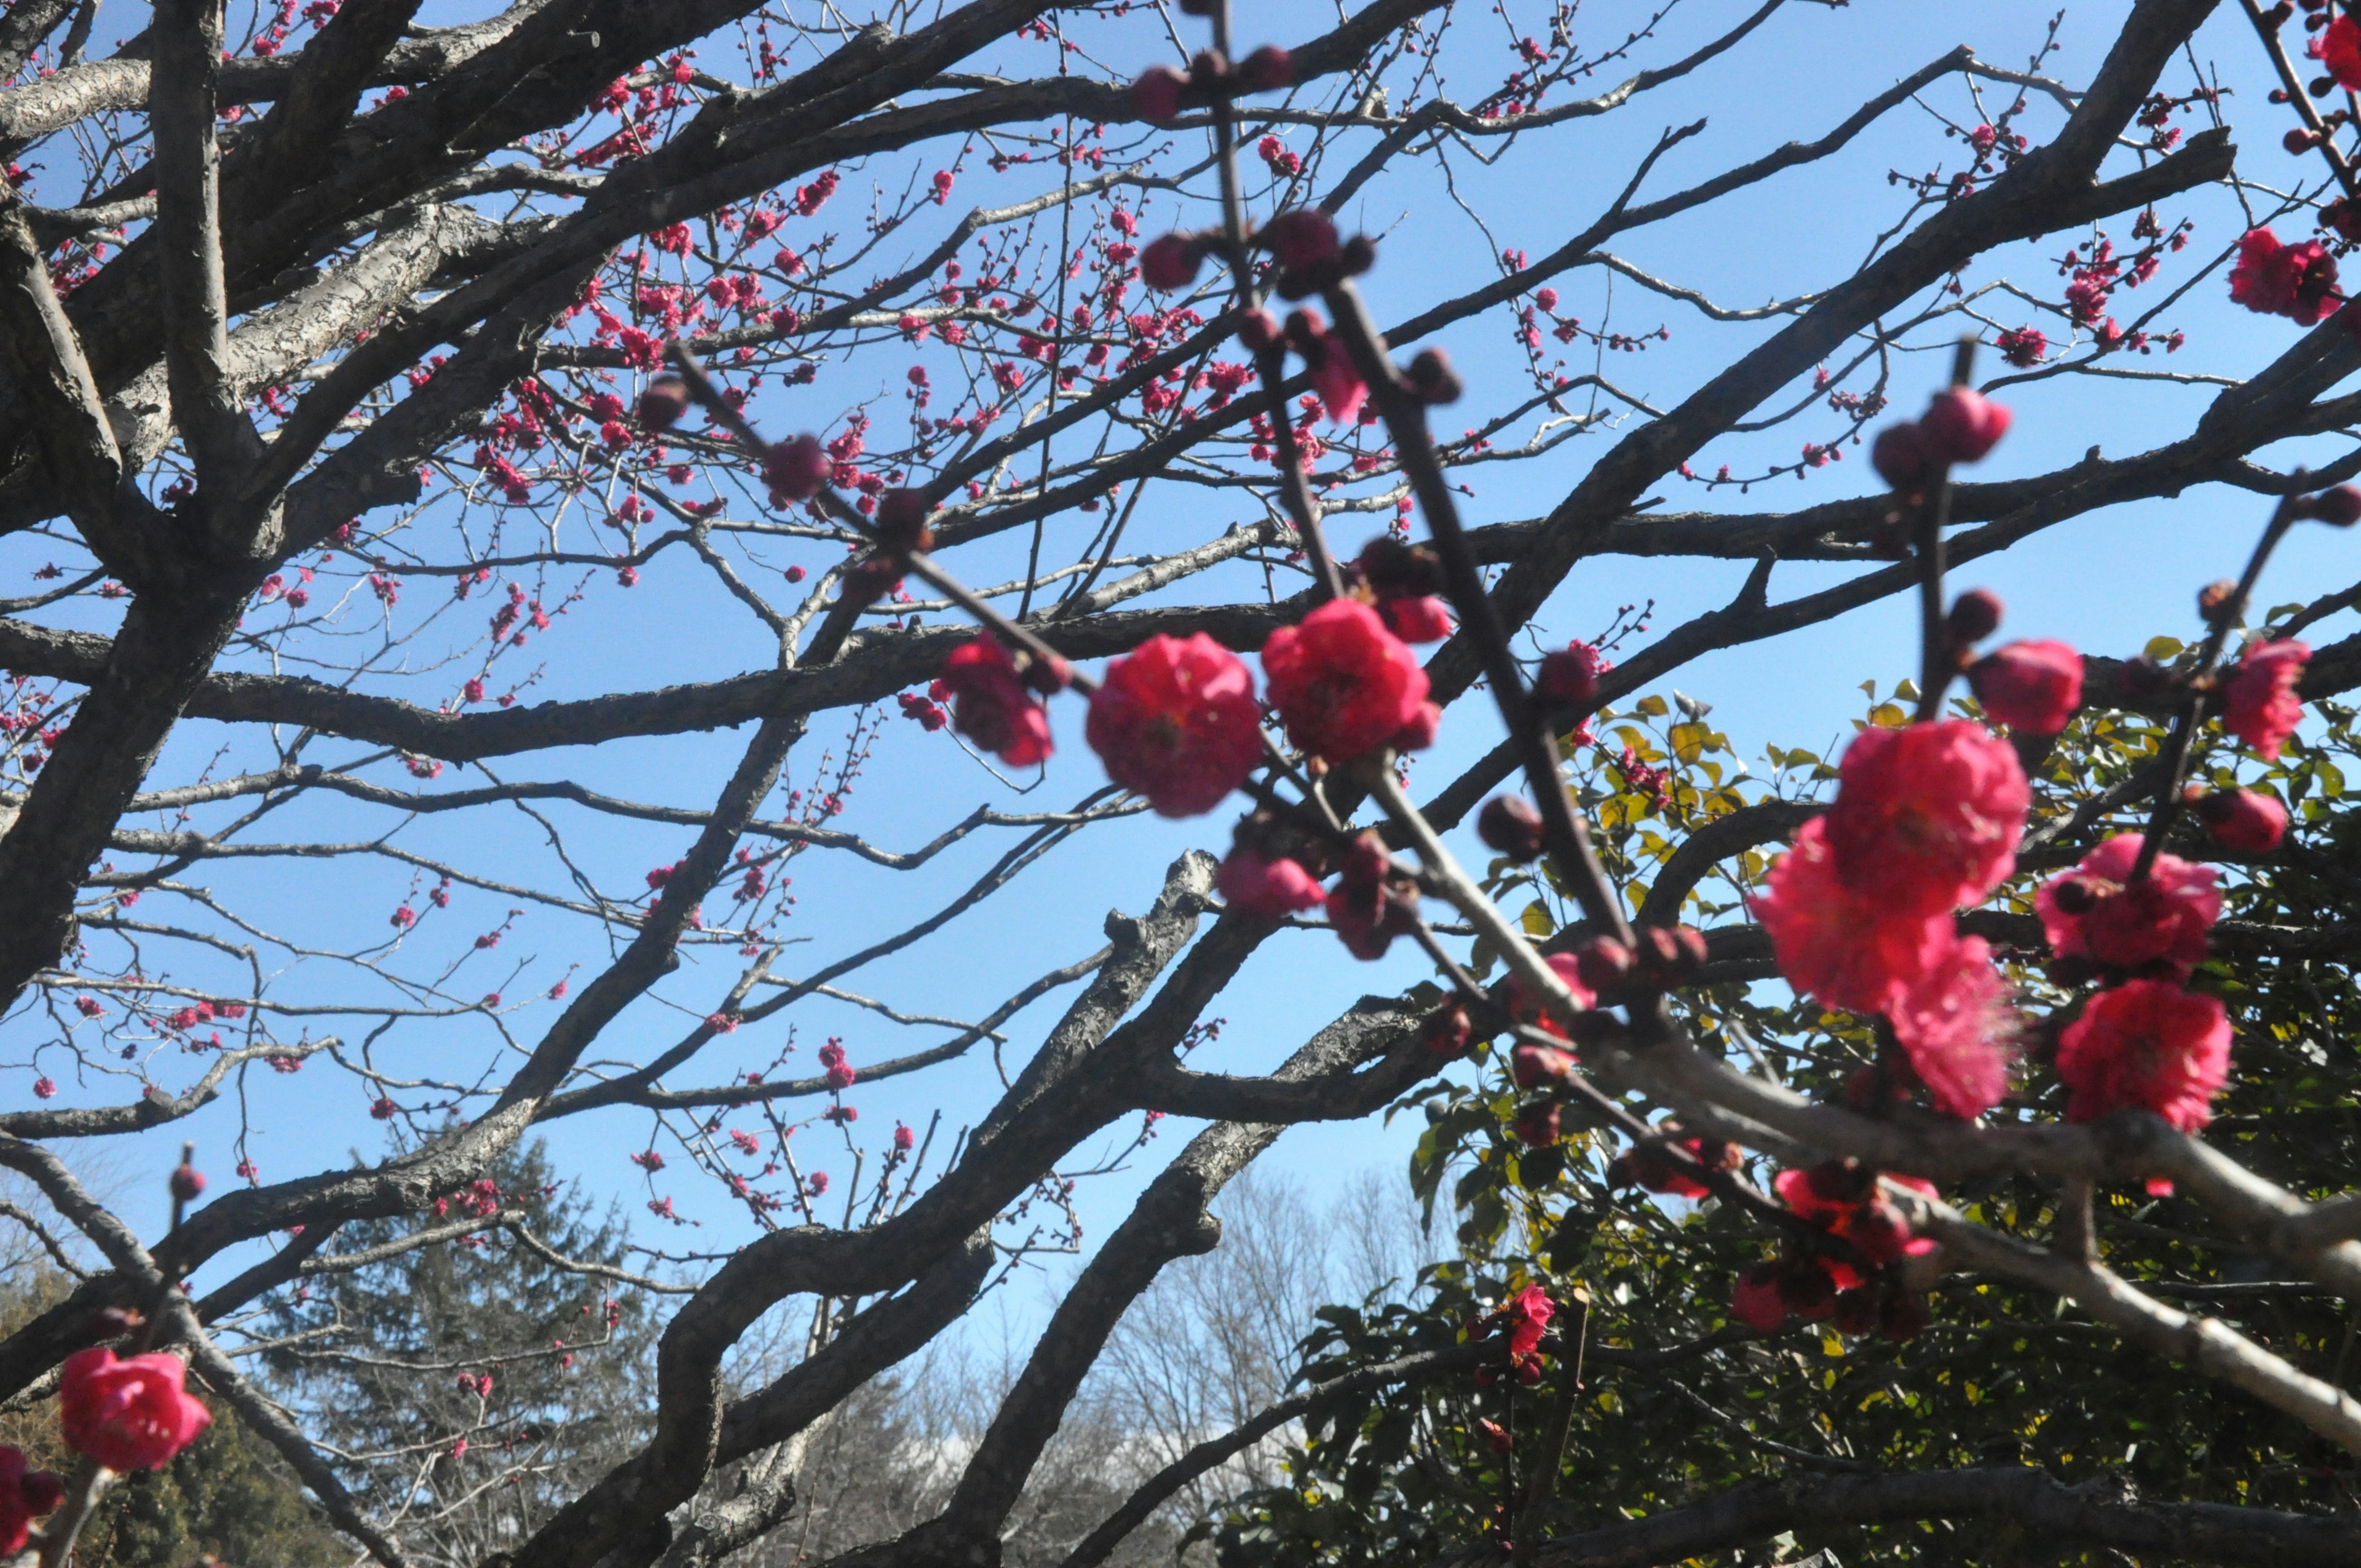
column 1172, row 261
column 1446, row 1030
column 1604, row 963
column 1257, row 330
column 1510, row 826
column 1432, row 376
column 2339, row 508
column 2215, row 598
column 1538, row 1126
column 1899, row 455
column 41, row 1490
column 1961, row 425
column 1358, row 256
column 1975, row 615
column 1157, row 94
column 796, row 468
column 187, row 1182
column 902, row 519
column 1265, row 69
column 1048, row 674
column 1569, row 678
column 666, row 399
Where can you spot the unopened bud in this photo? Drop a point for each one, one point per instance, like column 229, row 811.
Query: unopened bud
column 1432, row 376
column 666, row 399
column 2243, row 820
column 796, row 468
column 2299, row 141
column 1509, row 824
column 2073, row 895
column 1360, row 254
column 1266, row 69
column 1569, row 677
column 2339, row 508
column 1671, row 956
column 1604, row 963
column 1257, row 330
column 1975, row 615
column 2214, row 599
column 1961, row 425
column 902, row 519
column 1171, row 261
column 1537, row 1126
column 1047, row 673
column 1899, row 455
column 187, row 1182
column 1446, row 1030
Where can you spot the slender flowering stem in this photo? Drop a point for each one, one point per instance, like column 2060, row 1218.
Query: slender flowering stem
column 1939, row 660
column 2323, row 138
column 1270, row 359
column 1563, row 832
column 2227, row 616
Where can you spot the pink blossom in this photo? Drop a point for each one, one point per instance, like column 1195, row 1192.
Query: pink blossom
column 1957, row 1027
column 2259, row 704
column 2147, row 1045
column 1836, row 946
column 2097, row 912
column 1927, row 815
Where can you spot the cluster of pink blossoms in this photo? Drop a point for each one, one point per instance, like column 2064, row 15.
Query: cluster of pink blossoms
column 1859, row 912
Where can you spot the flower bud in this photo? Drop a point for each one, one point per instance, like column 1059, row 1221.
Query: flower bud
column 2032, row 687
column 1446, row 1030
column 1569, row 677
column 2243, row 820
column 1533, row 1066
column 1157, row 94
column 795, row 468
column 2299, row 141
column 902, row 519
column 1360, row 254
column 1961, row 425
column 1257, row 330
column 1302, row 238
column 187, row 1182
column 1510, row 826
column 666, row 399
column 1537, row 1126
column 1975, row 615
column 1899, row 455
column 1265, row 70
column 2214, row 599
column 2339, row 508
column 1046, row 674
column 1396, row 569
column 1604, row 963
column 1172, row 261
column 1432, row 376
column 1670, row 956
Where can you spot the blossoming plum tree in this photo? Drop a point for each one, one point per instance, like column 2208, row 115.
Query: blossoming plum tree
column 527, row 306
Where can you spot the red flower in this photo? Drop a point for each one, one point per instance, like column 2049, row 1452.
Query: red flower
column 991, row 706
column 795, row 468
column 1757, row 1300
column 2259, row 704
column 1302, row 238
column 1525, row 1006
column 2150, row 1045
column 127, row 1415
column 1177, row 722
column 1527, row 1315
column 1835, row 945
column 25, row 1495
column 1343, row 684
column 1419, row 619
column 2298, row 281
column 1961, row 425
column 2029, row 687
column 1266, row 890
column 1171, row 261
column 1927, row 815
column 1158, row 92
column 2338, row 47
column 2098, row 913
column 1334, row 379
column 1959, row 1030
column 2243, row 820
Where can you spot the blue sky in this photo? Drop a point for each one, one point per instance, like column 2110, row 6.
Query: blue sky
column 2106, row 583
